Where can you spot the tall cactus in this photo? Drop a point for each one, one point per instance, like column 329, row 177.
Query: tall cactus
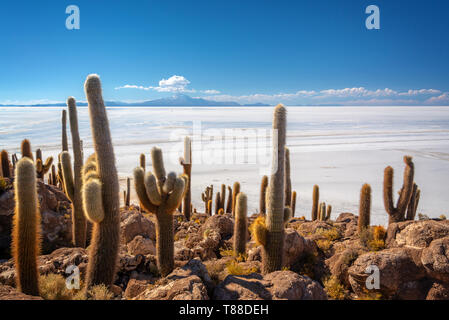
column 42, row 167
column 161, row 195
column 186, row 163
column 364, row 208
column 26, row 149
column 142, row 161
column 263, row 192
column 229, row 201
column 240, row 226
column 26, row 228
column 316, row 199
column 206, row 196
column 5, row 164
column 217, row 203
column 73, row 179
column 64, row 143
column 288, row 181
column 397, row 213
column 101, row 192
column 270, row 232
column 235, row 192
column 127, row 193
column 293, row 203
column 223, row 196
column 413, row 204
column 328, row 212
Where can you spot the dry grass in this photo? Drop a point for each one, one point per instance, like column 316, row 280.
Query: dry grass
column 330, row 234
column 334, row 289
column 234, row 268
column 324, row 244
column 53, row 287
column 99, row 292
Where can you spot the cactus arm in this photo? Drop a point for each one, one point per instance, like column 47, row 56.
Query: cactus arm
column 139, row 185
column 263, row 192
column 158, row 166
column 407, row 188
column 92, row 200
column 229, row 201
column 169, row 183
column 151, row 189
column 287, row 214
column 175, row 198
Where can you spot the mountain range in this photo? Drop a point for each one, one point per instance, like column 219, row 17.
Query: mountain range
column 180, row 100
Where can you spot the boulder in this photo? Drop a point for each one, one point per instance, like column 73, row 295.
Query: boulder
column 10, row 293
column 135, row 223
column 135, row 287
column 438, row 291
column 435, row 259
column 279, row 285
column 223, row 224
column 415, row 233
column 141, row 245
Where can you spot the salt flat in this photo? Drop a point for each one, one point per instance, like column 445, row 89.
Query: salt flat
column 338, row 148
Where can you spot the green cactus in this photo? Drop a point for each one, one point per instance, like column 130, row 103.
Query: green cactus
column 364, row 208
column 101, row 192
column 186, row 163
column 316, row 199
column 235, row 192
column 263, row 192
column 269, row 230
column 288, row 181
column 26, row 149
column 6, row 171
column 397, row 214
column 41, row 167
column 65, row 145
column 161, row 195
column 240, row 225
column 26, row 228
column 206, row 196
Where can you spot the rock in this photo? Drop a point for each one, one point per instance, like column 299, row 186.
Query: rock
column 347, row 217
column 399, row 268
column 10, row 293
column 223, row 224
column 415, row 233
column 135, row 223
column 435, row 259
column 190, row 288
column 135, row 287
column 182, row 253
column 55, row 211
column 438, row 291
column 276, row 285
column 193, row 267
column 339, row 264
column 141, row 245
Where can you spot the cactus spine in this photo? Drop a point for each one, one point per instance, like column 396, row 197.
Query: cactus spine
column 26, row 226
column 73, row 179
column 186, row 163
column 397, row 213
column 269, row 230
column 240, row 226
column 103, row 252
column 235, row 192
column 5, row 164
column 288, row 181
column 316, row 199
column 161, row 195
column 364, row 208
column 263, row 192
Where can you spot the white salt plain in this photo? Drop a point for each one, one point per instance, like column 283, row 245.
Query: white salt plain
column 338, row 148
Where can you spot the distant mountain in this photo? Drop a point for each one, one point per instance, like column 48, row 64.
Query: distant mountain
column 180, row 100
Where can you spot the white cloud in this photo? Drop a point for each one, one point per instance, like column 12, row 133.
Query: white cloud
column 210, row 91
column 441, row 99
column 411, row 92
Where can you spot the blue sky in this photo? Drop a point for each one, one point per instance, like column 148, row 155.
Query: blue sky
column 294, row 52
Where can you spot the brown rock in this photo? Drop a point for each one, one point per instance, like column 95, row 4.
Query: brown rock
column 415, row 233
column 438, row 291
column 190, row 288
column 10, row 293
column 435, row 259
column 141, row 245
column 135, row 223
column 135, row 287
column 223, row 224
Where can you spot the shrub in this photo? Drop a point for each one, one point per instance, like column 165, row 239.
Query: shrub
column 234, row 268
column 324, row 244
column 330, row 234
column 334, row 289
column 443, row 217
column 53, row 287
column 99, row 292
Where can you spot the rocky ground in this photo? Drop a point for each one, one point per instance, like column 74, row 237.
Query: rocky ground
column 323, row 259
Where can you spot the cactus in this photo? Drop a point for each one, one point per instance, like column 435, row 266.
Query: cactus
column 53, row 175
column 127, row 192
column 41, row 167
column 161, row 195
column 5, row 164
column 223, row 197
column 14, row 161
column 316, row 199
column 229, row 202
column 142, row 161
column 240, row 226
column 26, row 149
column 206, row 196
column 263, row 192
column 288, row 181
column 101, row 192
column 397, row 214
column 186, row 163
column 322, row 212
column 293, row 203
column 328, row 212
column 217, row 202
column 64, row 143
column 364, row 208
column 26, row 228
column 235, row 192
column 269, row 230
column 73, row 179
column 209, row 207
column 413, row 204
